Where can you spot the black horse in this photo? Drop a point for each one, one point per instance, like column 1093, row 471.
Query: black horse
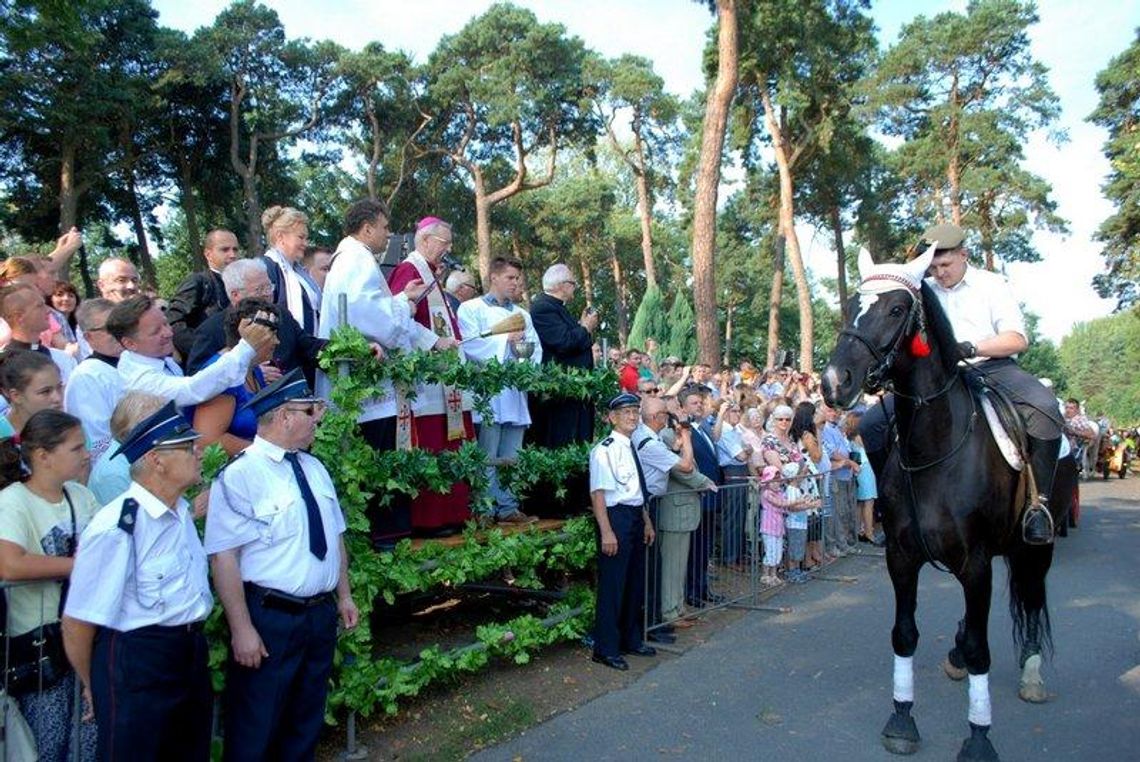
column 949, row 497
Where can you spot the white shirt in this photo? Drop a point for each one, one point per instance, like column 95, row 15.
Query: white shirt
column 164, row 378
column 478, row 315
column 980, row 306
column 656, row 459
column 374, row 311
column 730, row 444
column 256, row 506
column 91, row 395
column 157, row 575
column 295, row 281
column 613, row 471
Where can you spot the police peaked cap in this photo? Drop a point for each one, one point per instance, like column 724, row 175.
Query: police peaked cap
column 166, row 426
column 290, row 387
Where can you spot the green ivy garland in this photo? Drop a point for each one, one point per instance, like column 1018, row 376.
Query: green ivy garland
column 360, row 681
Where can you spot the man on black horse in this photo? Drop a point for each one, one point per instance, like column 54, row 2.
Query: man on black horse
column 990, row 331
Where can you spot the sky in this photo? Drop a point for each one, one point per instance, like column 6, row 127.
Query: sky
column 1075, row 39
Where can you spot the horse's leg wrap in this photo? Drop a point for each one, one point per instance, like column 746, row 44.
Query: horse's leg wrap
column 980, row 713
column 904, row 679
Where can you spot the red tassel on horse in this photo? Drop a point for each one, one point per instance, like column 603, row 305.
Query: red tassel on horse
column 919, row 346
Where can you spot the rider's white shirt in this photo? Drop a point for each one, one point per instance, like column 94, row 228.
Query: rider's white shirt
column 980, row 307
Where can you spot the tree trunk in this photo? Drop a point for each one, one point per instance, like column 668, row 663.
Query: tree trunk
column 252, row 215
column 190, row 209
column 145, row 262
column 619, row 290
column 587, row 283
column 841, row 262
column 374, row 158
column 89, row 291
column 68, row 193
column 520, row 255
column 953, row 164
column 729, row 309
column 482, row 224
column 645, row 201
column 788, row 227
column 774, row 297
column 708, row 179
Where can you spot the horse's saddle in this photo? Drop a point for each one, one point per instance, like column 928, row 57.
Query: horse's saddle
column 1006, row 426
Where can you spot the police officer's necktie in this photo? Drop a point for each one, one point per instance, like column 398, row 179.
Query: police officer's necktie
column 317, row 544
column 640, row 474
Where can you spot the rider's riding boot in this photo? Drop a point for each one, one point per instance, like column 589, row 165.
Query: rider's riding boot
column 1036, row 521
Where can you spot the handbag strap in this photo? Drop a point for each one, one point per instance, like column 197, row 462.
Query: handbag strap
column 72, row 544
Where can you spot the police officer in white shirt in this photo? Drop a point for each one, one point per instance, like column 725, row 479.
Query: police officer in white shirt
column 139, row 596
column 618, row 497
column 275, row 536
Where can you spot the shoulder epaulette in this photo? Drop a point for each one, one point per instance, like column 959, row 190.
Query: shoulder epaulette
column 128, row 514
column 228, row 463
column 607, row 441
column 644, row 442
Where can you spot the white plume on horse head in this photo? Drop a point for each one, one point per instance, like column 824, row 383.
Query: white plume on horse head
column 891, row 276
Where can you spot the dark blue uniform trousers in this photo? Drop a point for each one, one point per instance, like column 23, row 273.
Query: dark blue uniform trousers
column 621, row 584
column 151, row 689
column 275, row 712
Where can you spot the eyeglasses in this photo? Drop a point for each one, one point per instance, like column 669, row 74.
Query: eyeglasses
column 187, row 446
column 654, row 390
column 781, row 419
column 571, row 281
column 441, row 239
column 310, row 410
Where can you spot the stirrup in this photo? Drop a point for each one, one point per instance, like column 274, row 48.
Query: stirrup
column 1032, row 536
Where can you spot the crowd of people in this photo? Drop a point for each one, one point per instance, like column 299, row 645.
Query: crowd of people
column 682, row 436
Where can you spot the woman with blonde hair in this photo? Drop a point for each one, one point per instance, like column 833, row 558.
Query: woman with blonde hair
column 287, row 232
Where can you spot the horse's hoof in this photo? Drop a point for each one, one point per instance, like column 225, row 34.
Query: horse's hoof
column 977, row 748
column 900, row 736
column 951, row 671
column 1032, row 687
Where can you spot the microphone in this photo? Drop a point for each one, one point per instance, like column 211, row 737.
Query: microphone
column 452, row 263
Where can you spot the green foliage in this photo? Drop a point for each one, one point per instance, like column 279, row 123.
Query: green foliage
column 360, row 681
column 1119, row 113
column 682, row 340
column 649, row 320
column 965, row 92
column 1100, row 359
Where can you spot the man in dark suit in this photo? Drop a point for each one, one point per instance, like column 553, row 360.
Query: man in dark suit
column 245, row 279
column 201, row 294
column 557, row 421
column 697, row 593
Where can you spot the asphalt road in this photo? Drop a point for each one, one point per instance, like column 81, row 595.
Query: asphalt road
column 815, row 684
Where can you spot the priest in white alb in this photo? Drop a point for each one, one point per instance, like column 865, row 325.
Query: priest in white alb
column 501, row 435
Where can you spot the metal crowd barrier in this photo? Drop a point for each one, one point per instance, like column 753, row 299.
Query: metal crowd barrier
column 709, row 551
column 27, row 717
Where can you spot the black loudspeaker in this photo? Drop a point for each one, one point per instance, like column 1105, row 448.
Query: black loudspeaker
column 399, row 246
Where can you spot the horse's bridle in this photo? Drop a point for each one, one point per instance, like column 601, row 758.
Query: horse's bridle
column 876, row 377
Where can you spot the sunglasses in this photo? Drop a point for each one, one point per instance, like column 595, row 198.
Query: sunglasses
column 654, row 390
column 309, row 410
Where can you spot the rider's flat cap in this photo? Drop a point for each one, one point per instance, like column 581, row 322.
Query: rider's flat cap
column 945, row 237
